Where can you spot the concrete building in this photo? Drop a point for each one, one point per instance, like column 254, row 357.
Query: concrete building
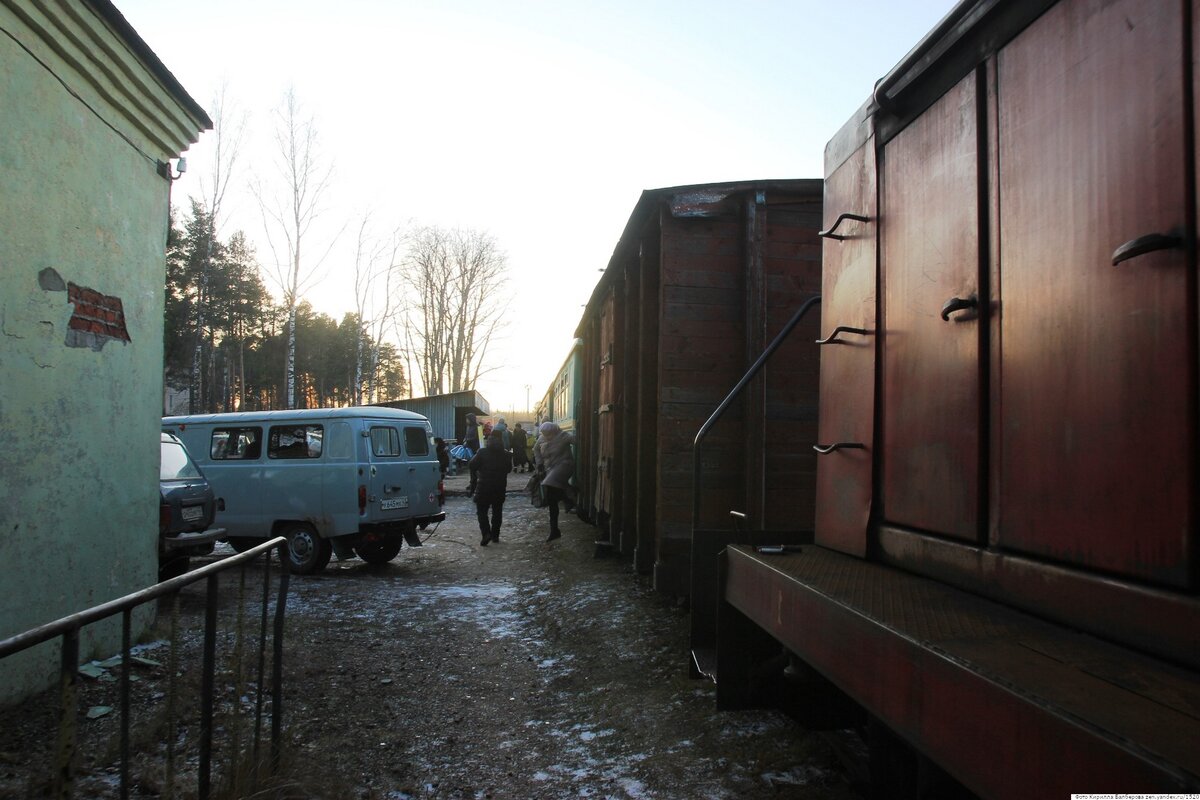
column 91, row 118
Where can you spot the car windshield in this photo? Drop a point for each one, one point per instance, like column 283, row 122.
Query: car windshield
column 175, row 463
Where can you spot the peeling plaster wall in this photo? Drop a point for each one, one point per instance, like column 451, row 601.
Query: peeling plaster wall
column 83, row 220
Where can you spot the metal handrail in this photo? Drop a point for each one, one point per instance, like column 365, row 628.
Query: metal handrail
column 69, row 627
column 733, row 394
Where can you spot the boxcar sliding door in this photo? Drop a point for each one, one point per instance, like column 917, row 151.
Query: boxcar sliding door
column 1098, row 360
column 930, row 271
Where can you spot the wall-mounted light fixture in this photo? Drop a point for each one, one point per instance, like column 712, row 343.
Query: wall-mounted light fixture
column 164, row 169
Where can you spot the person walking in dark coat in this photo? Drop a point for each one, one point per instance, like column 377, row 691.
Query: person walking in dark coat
column 489, row 482
column 520, row 459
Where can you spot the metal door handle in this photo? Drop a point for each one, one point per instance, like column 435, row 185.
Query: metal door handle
column 1145, row 244
column 958, row 304
column 829, row 234
column 822, row 449
column 832, row 338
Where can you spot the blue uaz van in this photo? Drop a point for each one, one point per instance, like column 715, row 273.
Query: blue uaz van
column 361, row 479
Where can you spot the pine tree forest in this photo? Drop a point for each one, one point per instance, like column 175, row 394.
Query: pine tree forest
column 225, row 338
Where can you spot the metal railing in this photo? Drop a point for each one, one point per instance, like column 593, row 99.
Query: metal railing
column 62, row 767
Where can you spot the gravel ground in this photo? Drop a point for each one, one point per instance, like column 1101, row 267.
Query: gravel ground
column 519, row 670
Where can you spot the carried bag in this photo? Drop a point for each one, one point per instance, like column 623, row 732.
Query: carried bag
column 534, row 487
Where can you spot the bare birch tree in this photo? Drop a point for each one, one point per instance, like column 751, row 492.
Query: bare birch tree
column 229, row 125
column 289, row 214
column 377, row 265
column 457, row 302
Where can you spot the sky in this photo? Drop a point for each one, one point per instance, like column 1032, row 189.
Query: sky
column 538, row 122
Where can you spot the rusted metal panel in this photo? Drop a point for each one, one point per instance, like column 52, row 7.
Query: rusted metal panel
column 847, row 365
column 1098, row 362
column 605, row 455
column 651, row 359
column 791, row 258
column 753, row 469
column 1002, row 701
column 587, row 428
column 931, row 381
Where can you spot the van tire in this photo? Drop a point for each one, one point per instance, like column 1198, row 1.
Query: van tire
column 381, row 551
column 307, row 552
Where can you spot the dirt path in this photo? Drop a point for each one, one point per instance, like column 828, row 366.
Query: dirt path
column 522, row 670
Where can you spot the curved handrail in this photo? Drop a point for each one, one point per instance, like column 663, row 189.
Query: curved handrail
column 733, row 394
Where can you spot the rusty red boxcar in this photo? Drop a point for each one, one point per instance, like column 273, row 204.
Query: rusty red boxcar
column 702, row 277
column 1007, row 565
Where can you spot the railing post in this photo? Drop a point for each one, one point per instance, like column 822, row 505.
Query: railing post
column 207, row 684
column 68, row 724
column 172, row 708
column 277, row 668
column 262, row 663
column 126, row 635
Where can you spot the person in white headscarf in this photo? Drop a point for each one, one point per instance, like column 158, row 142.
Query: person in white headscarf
column 556, row 463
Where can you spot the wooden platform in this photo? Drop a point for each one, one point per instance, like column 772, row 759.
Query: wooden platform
column 956, row 675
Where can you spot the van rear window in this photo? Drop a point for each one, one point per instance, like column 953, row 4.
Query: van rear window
column 230, row 444
column 295, row 441
column 385, row 442
column 416, row 441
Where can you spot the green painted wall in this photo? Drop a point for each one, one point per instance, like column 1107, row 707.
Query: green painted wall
column 79, row 414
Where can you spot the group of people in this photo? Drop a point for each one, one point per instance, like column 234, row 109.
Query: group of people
column 553, row 463
column 516, row 442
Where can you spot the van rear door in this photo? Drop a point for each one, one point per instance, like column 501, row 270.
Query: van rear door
column 424, row 472
column 404, row 473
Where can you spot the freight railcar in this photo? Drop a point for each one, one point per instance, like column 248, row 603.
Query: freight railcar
column 1006, row 569
column 701, row 278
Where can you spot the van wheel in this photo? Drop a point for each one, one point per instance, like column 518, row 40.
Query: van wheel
column 379, row 551
column 307, row 552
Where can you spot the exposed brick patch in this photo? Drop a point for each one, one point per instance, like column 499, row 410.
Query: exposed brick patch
column 98, row 318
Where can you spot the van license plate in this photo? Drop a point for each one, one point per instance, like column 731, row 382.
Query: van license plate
column 395, row 502
column 191, row 513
